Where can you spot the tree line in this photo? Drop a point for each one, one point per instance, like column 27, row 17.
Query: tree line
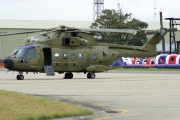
column 116, row 19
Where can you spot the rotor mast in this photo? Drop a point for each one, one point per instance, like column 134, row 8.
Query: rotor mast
column 97, row 8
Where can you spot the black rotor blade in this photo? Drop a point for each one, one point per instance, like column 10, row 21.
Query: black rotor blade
column 161, row 20
column 151, row 32
column 163, row 44
column 172, row 29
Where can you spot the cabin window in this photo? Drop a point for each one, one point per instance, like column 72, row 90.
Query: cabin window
column 65, row 41
column 74, row 34
column 65, row 56
column 73, row 56
column 81, row 56
column 31, row 53
column 94, row 56
column 56, row 56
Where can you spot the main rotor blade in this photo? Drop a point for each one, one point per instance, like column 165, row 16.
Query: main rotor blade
column 151, row 32
column 172, row 29
column 34, row 31
column 62, row 28
column 163, row 44
column 130, row 31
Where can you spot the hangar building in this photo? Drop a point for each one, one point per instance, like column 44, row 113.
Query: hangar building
column 9, row 43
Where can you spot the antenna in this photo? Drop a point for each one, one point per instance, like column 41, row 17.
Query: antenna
column 97, row 8
column 154, row 14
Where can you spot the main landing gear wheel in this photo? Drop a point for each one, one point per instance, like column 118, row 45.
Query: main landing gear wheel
column 68, row 75
column 20, row 77
column 91, row 75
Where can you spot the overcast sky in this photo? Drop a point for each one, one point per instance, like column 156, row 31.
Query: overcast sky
column 82, row 10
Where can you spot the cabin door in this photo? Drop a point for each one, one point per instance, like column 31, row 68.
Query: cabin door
column 48, row 62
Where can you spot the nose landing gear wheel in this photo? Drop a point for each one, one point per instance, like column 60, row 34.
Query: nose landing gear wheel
column 20, row 77
column 91, row 75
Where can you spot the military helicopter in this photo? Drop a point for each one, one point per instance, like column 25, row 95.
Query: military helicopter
column 75, row 50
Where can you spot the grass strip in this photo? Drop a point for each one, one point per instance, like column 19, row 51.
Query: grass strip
column 18, row 106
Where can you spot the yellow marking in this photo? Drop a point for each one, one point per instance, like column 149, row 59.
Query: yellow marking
column 60, row 96
column 104, row 117
column 165, row 95
column 99, row 104
column 123, row 111
column 76, row 99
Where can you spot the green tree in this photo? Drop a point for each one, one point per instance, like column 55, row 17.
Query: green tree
column 116, row 19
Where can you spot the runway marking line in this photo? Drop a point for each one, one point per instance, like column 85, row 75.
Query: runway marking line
column 76, row 99
column 101, row 118
column 165, row 95
column 123, row 111
column 60, row 96
column 99, row 104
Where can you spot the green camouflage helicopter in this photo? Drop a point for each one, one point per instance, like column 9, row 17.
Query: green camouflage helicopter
column 75, row 50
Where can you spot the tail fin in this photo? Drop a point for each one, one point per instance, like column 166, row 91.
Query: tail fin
column 150, row 45
column 154, row 40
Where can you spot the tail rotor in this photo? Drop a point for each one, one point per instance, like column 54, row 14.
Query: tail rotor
column 162, row 31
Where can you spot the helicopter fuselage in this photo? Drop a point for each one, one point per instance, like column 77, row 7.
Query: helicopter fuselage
column 33, row 58
column 73, row 52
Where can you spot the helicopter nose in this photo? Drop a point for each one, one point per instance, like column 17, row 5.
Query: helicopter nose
column 8, row 63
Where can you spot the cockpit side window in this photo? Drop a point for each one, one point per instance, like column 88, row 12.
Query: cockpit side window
column 31, row 53
column 27, row 51
column 13, row 54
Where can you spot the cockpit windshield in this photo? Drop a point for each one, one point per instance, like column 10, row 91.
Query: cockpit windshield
column 27, row 51
column 21, row 53
column 13, row 54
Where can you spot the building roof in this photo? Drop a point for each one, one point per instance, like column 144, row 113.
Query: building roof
column 43, row 24
column 156, row 25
